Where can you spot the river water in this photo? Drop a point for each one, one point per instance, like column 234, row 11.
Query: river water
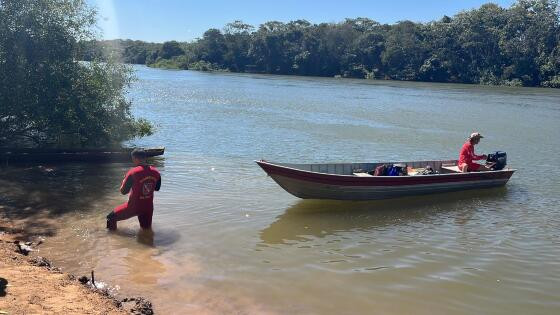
column 229, row 240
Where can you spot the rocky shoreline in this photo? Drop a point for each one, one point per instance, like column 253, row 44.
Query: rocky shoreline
column 31, row 284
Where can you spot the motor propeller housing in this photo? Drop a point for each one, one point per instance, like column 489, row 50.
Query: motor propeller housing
column 499, row 158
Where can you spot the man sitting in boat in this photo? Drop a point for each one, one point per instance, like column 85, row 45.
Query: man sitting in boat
column 141, row 181
column 467, row 156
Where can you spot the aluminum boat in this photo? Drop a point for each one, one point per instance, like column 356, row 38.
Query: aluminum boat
column 352, row 181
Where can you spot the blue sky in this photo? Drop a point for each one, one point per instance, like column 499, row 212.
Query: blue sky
column 184, row 20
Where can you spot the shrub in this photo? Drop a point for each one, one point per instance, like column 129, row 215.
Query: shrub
column 47, row 96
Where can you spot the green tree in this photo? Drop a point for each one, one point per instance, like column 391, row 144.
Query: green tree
column 528, row 39
column 266, row 47
column 237, row 37
column 171, row 49
column 369, row 47
column 47, row 96
column 405, row 51
column 212, row 46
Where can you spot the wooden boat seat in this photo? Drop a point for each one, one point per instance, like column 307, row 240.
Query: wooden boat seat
column 362, row 174
column 453, row 168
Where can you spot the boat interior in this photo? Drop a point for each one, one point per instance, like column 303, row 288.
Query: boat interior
column 367, row 169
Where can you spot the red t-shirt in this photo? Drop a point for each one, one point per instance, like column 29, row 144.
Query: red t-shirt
column 141, row 181
column 467, row 156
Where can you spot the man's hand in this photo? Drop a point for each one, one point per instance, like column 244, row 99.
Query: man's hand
column 127, row 185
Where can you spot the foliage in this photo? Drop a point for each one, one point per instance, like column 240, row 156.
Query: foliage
column 519, row 45
column 204, row 66
column 47, row 96
column 174, row 63
column 170, row 49
column 126, row 51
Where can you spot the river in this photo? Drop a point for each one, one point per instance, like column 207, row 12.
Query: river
column 230, row 240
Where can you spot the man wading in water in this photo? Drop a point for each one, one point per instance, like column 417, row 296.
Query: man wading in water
column 141, row 181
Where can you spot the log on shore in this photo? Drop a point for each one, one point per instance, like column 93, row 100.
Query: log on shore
column 16, row 156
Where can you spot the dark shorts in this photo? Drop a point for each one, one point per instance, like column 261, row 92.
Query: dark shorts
column 124, row 212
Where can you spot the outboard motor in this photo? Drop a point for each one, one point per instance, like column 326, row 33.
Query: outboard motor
column 500, row 158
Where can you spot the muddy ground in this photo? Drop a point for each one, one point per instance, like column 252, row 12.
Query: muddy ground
column 31, row 285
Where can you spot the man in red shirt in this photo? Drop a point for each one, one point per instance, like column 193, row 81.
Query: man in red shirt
column 141, row 181
column 467, row 156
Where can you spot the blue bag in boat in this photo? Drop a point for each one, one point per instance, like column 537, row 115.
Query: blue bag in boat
column 393, row 171
column 397, row 170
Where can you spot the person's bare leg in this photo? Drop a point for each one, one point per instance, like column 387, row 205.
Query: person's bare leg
column 483, row 168
column 464, row 168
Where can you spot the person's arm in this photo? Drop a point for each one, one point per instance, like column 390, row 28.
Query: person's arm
column 479, row 157
column 475, row 157
column 127, row 184
column 158, row 184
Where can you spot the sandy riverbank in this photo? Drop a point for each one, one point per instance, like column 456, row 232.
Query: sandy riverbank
column 29, row 284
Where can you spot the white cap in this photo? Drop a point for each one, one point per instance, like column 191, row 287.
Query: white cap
column 475, row 135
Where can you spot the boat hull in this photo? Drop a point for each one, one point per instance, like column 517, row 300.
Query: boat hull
column 312, row 185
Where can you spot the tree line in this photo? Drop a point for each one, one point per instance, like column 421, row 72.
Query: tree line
column 519, row 45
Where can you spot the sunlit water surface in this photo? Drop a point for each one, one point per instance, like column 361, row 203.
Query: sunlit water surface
column 229, row 240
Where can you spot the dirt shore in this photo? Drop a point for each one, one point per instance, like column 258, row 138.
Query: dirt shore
column 29, row 284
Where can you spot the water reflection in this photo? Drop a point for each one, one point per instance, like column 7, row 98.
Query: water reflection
column 144, row 267
column 36, row 197
column 310, row 219
column 126, row 256
column 146, row 237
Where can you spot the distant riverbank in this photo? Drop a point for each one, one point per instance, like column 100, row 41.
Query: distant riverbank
column 491, row 45
column 207, row 67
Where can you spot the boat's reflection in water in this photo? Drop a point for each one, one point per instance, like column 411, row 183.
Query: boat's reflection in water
column 309, row 219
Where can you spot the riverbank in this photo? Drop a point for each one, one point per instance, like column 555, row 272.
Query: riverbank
column 174, row 64
column 30, row 284
column 178, row 64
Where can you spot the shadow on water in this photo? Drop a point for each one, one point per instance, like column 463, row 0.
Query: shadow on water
column 319, row 218
column 33, row 198
column 159, row 238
